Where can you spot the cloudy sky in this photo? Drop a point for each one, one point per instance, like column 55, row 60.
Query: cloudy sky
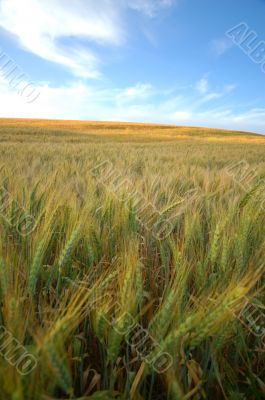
column 167, row 61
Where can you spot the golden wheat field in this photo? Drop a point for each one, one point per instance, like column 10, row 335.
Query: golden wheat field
column 131, row 263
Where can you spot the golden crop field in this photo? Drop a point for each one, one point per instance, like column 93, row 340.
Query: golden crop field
column 132, row 262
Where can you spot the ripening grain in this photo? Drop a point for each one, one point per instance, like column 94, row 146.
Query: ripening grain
column 66, row 287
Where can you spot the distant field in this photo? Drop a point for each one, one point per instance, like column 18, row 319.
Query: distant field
column 88, row 130
column 131, row 261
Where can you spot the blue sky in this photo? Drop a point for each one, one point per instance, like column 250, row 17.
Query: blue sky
column 167, row 61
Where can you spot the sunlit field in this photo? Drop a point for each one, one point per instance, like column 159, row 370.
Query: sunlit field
column 131, row 263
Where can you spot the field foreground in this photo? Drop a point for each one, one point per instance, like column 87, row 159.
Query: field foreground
column 131, row 262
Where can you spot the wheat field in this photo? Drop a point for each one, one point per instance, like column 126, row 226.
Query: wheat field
column 100, row 305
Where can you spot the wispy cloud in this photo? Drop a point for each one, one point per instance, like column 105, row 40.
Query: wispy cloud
column 202, row 86
column 208, row 94
column 150, row 7
column 141, row 91
column 220, row 46
column 47, row 29
column 126, row 104
column 181, row 115
column 40, row 30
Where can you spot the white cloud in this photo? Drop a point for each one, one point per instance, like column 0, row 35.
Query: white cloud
column 202, row 86
column 207, row 95
column 41, row 27
column 220, row 46
column 106, row 104
column 181, row 115
column 137, row 92
column 149, row 7
column 54, row 29
column 229, row 88
column 250, row 120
